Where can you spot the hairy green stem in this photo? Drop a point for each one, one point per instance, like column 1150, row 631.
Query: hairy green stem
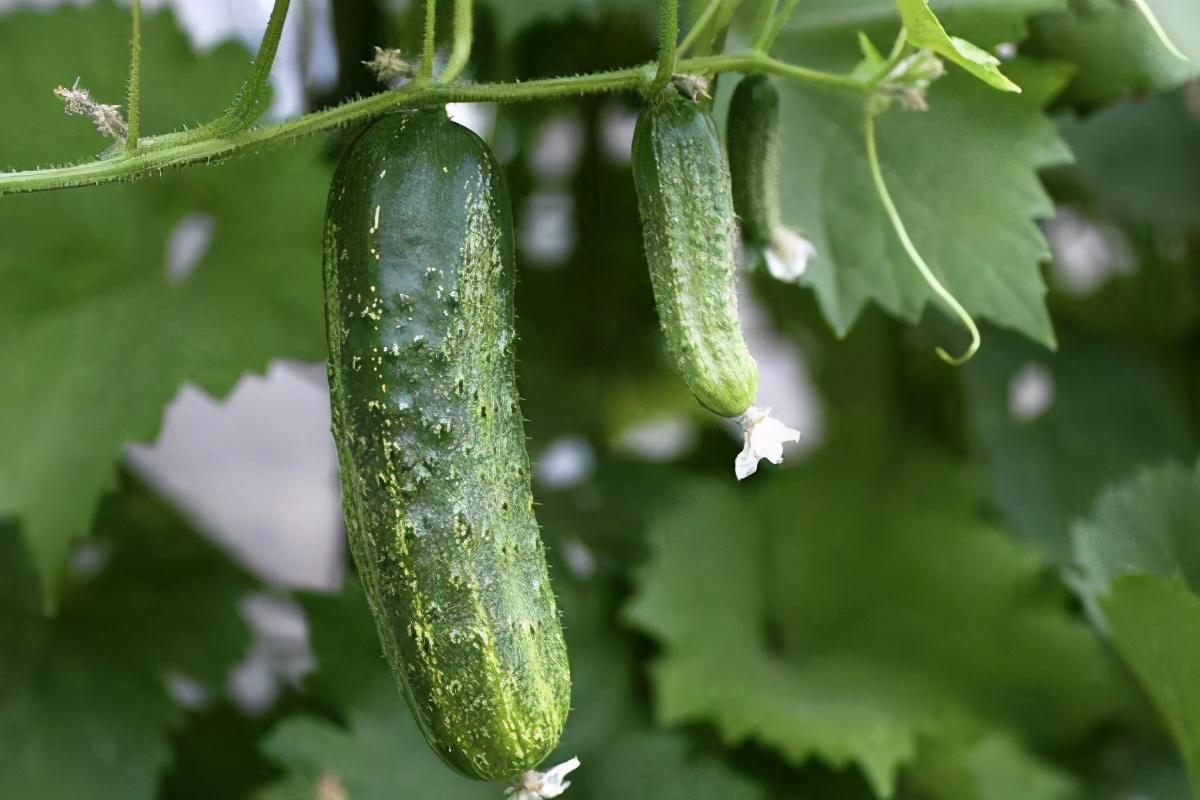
column 135, row 79
column 899, row 48
column 902, row 232
column 762, row 18
column 461, row 49
column 667, row 36
column 247, row 105
column 767, row 39
column 430, row 40
column 156, row 154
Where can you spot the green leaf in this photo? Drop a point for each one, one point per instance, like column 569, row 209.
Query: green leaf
column 216, row 755
column 378, row 752
column 1140, row 162
column 378, row 755
column 1139, row 562
column 1117, row 52
column 95, row 336
column 925, row 30
column 1046, row 470
column 964, row 178
column 849, row 610
column 1146, row 524
column 824, row 30
column 995, row 767
column 1158, row 302
column 84, row 707
column 1155, row 626
column 1128, row 768
column 643, row 763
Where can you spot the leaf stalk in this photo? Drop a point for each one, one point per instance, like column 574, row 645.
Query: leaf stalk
column 135, row 79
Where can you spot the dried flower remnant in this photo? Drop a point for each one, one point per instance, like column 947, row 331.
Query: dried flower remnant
column 696, row 87
column 107, row 118
column 390, row 68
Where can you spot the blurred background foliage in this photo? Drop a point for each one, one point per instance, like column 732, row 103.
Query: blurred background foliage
column 975, row 584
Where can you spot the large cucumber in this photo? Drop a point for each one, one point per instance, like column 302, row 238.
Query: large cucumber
column 752, row 136
column 690, row 234
column 435, row 477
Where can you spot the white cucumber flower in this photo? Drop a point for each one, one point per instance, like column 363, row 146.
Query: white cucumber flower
column 534, row 785
column 764, row 437
column 788, row 254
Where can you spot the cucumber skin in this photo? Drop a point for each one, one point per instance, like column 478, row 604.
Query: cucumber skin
column 419, row 282
column 690, row 234
column 752, row 136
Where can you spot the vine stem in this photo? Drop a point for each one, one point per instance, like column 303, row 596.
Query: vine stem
column 182, row 148
column 899, row 48
column 667, row 36
column 461, row 49
column 762, row 20
column 135, row 79
column 699, row 26
column 911, row 249
column 429, row 41
column 246, row 107
column 771, row 31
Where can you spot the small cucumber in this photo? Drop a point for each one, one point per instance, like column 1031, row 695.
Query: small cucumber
column 688, row 225
column 419, row 282
column 752, row 137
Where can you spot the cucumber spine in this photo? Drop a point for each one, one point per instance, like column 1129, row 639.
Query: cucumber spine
column 419, row 282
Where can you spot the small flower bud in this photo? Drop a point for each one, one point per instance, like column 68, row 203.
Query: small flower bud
column 909, row 80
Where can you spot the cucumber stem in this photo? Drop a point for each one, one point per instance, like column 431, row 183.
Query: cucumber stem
column 247, row 104
column 135, row 79
column 461, row 49
column 430, row 39
column 668, row 33
column 775, row 27
column 699, row 27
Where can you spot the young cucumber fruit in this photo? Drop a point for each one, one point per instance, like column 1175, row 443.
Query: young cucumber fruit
column 435, row 477
column 752, row 136
column 688, row 224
